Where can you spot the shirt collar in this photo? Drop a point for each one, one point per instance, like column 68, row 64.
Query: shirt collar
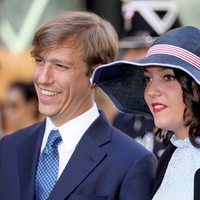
column 72, row 131
column 183, row 143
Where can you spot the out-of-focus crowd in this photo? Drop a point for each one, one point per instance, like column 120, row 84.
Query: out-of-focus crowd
column 20, row 107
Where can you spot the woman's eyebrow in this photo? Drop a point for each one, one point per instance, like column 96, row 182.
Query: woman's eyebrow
column 160, row 69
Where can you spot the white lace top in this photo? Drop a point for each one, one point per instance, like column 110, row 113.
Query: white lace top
column 178, row 181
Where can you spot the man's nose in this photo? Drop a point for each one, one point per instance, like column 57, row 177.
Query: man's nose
column 46, row 73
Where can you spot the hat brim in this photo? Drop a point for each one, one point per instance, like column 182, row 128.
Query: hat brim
column 123, row 81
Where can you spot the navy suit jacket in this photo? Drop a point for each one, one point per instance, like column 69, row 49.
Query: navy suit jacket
column 162, row 167
column 106, row 164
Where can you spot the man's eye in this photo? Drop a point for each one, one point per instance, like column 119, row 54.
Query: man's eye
column 38, row 61
column 62, row 66
column 59, row 65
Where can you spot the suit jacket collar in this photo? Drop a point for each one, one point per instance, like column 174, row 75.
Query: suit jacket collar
column 29, row 151
column 197, row 185
column 85, row 158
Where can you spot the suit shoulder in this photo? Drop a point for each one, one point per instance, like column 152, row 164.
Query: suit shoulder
column 124, row 149
column 20, row 134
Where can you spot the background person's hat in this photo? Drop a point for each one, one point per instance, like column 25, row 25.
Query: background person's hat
column 145, row 20
column 123, row 81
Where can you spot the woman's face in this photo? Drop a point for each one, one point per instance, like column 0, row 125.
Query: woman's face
column 163, row 95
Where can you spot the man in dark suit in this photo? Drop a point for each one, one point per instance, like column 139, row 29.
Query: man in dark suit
column 74, row 153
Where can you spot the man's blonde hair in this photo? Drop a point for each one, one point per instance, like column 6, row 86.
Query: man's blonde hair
column 96, row 37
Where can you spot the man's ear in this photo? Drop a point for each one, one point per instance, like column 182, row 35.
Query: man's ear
column 93, row 86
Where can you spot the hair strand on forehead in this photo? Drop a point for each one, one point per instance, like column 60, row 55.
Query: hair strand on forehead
column 95, row 36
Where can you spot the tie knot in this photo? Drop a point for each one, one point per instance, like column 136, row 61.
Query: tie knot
column 54, row 138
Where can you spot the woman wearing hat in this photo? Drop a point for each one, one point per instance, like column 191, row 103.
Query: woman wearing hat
column 166, row 85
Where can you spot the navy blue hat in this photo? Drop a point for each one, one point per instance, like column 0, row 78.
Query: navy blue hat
column 123, row 81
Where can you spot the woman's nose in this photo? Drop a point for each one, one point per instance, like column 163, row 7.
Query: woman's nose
column 153, row 89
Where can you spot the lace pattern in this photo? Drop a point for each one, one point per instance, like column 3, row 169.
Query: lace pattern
column 178, row 182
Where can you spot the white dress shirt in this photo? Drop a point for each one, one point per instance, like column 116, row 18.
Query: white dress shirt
column 178, row 181
column 71, row 132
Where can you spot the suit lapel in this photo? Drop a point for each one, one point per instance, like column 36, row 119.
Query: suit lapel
column 85, row 158
column 28, row 156
column 162, row 166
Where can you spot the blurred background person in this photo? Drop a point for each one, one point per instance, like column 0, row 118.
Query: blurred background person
column 20, row 108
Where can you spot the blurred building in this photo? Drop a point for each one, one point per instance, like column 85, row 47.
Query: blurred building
column 189, row 12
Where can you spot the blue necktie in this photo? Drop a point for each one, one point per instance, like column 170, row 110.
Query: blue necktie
column 47, row 170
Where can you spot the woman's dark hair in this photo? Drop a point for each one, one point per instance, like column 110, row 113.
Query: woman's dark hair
column 191, row 99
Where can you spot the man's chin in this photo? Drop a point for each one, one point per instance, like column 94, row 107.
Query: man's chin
column 46, row 111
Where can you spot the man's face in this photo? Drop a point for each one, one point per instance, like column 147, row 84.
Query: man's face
column 63, row 88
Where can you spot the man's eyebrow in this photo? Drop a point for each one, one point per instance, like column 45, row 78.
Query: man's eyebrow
column 65, row 62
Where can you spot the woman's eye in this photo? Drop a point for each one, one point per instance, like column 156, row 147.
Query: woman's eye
column 169, row 77
column 147, row 80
